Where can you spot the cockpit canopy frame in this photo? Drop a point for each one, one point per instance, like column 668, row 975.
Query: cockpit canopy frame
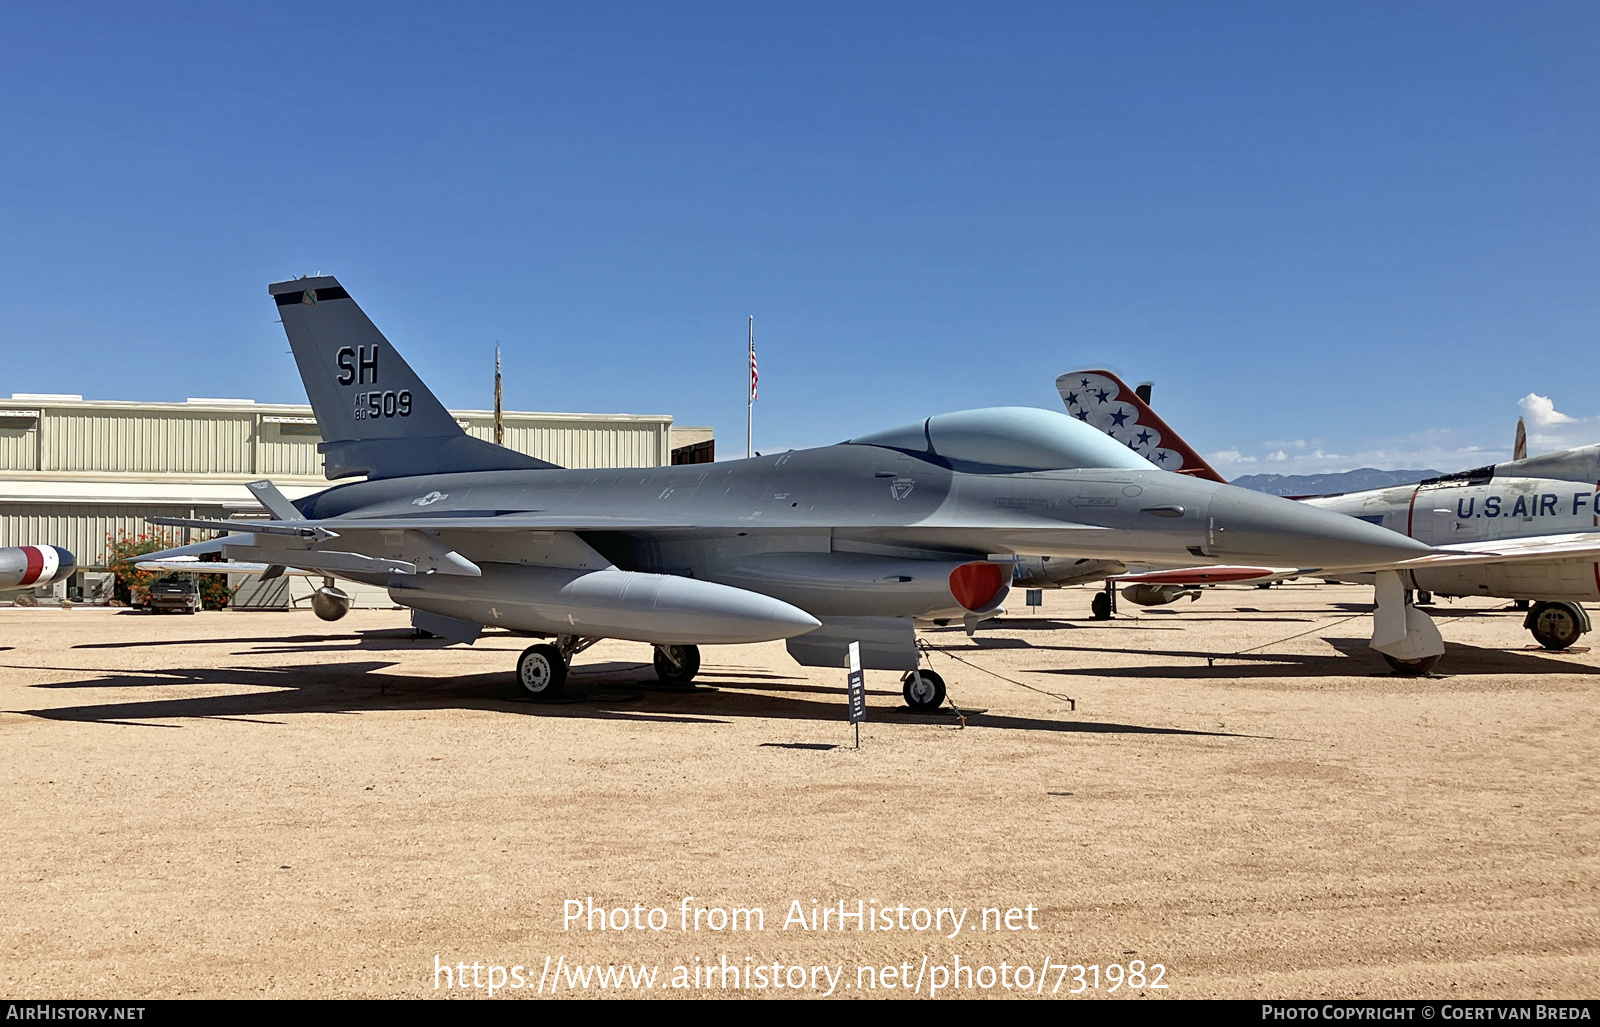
column 998, row 440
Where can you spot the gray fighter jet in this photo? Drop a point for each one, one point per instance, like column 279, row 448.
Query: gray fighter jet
column 821, row 547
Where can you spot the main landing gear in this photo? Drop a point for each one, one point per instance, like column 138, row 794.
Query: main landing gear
column 676, row 665
column 542, row 669
column 1104, row 604
column 1556, row 626
column 923, row 689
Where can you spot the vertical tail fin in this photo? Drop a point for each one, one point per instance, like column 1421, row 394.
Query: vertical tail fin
column 1102, row 400
column 376, row 416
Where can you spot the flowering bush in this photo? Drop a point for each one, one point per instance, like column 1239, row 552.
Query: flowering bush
column 133, row 584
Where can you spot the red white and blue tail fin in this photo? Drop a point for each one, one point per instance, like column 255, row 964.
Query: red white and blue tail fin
column 1102, row 400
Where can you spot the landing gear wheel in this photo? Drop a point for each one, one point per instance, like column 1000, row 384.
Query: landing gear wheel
column 1413, row 668
column 1100, row 606
column 676, row 665
column 1554, row 625
column 541, row 672
column 924, row 690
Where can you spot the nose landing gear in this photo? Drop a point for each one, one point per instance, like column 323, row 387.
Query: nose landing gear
column 923, row 689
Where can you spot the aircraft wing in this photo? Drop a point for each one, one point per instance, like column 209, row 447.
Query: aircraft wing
column 219, row 567
column 311, row 544
column 1576, row 547
column 540, row 520
column 1214, row 575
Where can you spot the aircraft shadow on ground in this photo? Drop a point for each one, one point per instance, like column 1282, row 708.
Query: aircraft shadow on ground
column 1354, row 659
column 386, row 638
column 608, row 691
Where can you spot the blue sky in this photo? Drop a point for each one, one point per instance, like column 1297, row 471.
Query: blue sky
column 1370, row 229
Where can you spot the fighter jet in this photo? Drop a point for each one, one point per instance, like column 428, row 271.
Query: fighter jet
column 819, row 547
column 1542, row 526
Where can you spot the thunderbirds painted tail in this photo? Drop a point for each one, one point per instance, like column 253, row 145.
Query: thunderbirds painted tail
column 376, row 416
column 1103, row 401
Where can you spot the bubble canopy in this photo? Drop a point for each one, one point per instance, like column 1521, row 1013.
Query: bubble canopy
column 1009, row 438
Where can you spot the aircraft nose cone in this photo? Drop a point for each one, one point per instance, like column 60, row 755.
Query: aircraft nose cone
column 1253, row 526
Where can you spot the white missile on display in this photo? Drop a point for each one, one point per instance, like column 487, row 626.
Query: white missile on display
column 32, row 566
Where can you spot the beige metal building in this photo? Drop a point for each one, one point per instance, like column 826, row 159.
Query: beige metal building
column 76, row 473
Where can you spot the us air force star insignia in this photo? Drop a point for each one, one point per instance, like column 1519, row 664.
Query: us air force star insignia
column 900, row 488
column 309, row 298
column 430, row 499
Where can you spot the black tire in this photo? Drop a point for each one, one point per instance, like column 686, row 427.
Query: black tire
column 541, row 672
column 676, row 665
column 1100, row 606
column 1413, row 668
column 1555, row 626
column 924, row 690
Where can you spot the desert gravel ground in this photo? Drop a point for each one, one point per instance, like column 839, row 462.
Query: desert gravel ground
column 264, row 804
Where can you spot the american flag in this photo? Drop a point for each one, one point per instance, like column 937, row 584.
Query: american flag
column 754, row 376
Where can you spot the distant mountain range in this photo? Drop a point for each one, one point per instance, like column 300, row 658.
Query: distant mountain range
column 1358, row 480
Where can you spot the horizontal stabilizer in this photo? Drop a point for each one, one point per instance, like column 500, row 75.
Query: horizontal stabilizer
column 298, row 529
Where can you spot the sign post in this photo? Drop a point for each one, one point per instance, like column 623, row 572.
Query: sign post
column 858, row 691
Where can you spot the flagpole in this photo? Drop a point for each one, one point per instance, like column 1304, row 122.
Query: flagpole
column 750, row 396
column 499, row 424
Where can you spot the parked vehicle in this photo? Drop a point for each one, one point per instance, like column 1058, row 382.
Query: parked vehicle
column 175, row 593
